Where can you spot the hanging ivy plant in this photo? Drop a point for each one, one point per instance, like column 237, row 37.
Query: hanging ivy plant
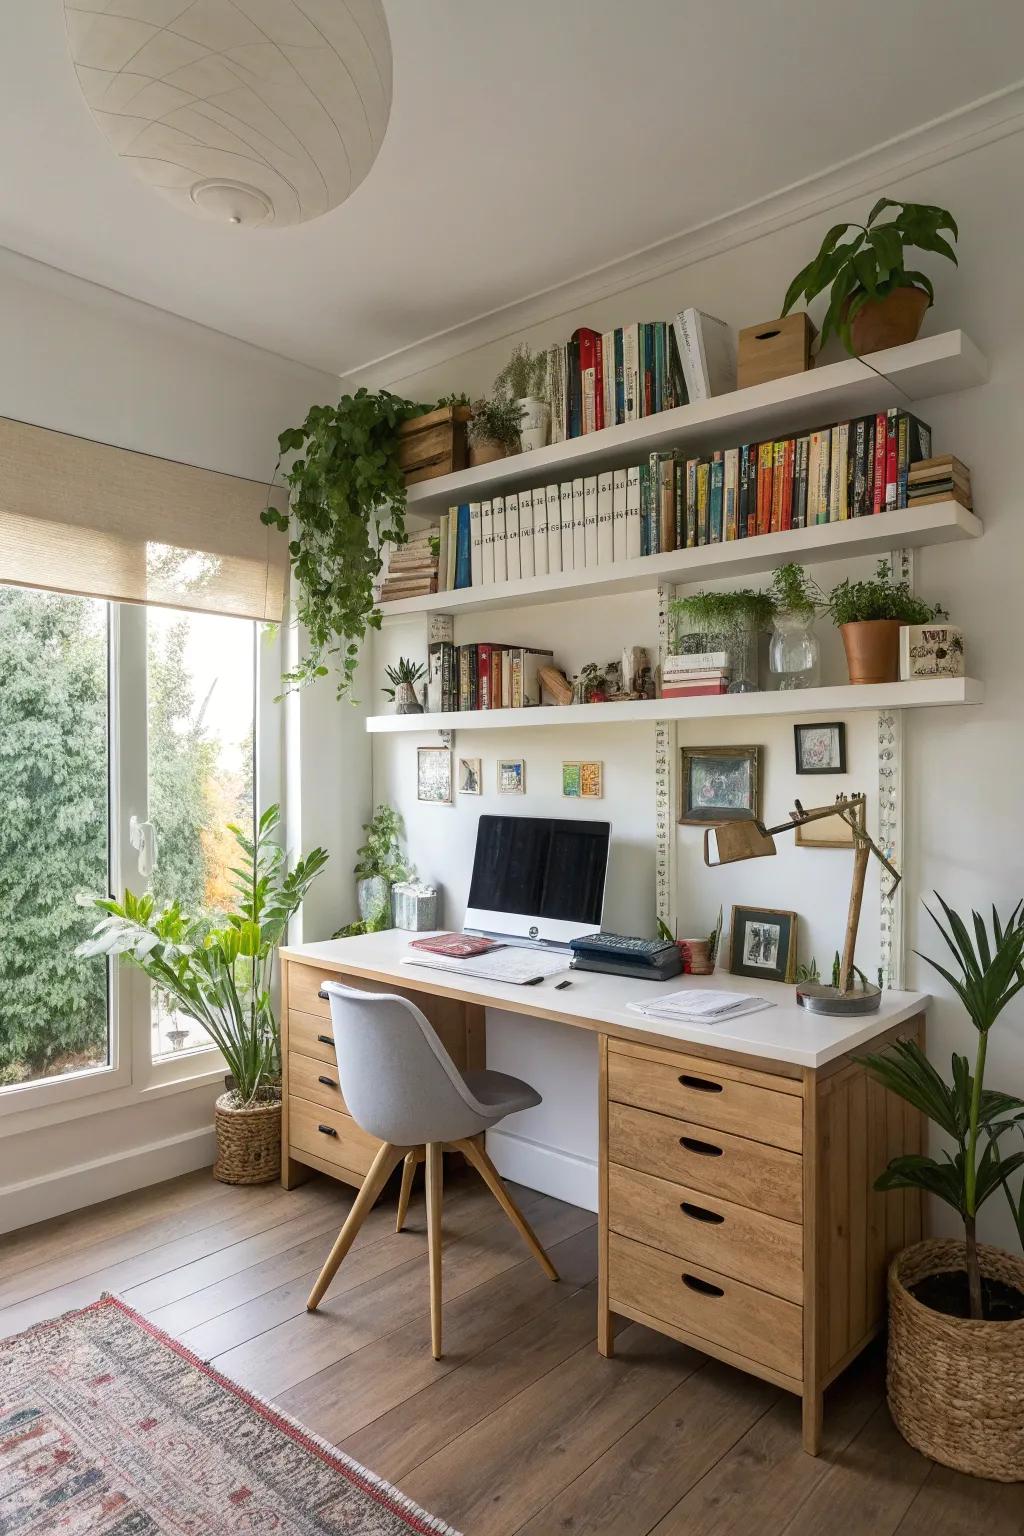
column 347, row 501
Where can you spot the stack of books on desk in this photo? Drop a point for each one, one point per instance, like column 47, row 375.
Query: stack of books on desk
column 690, row 677
column 412, row 567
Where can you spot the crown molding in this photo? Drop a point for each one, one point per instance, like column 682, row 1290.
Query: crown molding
column 944, row 138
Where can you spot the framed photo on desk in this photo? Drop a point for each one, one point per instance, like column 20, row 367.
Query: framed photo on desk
column 763, row 944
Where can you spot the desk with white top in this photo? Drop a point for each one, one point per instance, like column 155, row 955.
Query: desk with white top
column 737, row 1161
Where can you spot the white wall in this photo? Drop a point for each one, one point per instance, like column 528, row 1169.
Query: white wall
column 80, row 359
column 963, row 766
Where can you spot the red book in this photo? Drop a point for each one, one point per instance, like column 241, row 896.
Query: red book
column 599, row 420
column 892, row 455
column 787, row 483
column 764, row 488
column 878, row 488
column 588, row 342
column 483, row 672
column 693, row 690
column 459, row 946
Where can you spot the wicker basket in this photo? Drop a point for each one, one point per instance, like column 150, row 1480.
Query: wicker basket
column 956, row 1387
column 248, row 1142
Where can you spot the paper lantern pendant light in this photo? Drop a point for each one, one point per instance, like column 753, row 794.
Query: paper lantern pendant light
column 253, row 112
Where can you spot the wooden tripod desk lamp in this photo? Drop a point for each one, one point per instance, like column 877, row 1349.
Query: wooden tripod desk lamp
column 733, row 841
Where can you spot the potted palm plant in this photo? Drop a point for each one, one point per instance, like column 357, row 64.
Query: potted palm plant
column 219, row 976
column 524, row 380
column 869, row 616
column 876, row 301
column 956, row 1308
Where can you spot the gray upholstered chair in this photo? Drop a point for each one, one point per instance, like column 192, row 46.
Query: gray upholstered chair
column 400, row 1084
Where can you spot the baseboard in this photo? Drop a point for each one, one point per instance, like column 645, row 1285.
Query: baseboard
column 69, row 1189
column 565, row 1175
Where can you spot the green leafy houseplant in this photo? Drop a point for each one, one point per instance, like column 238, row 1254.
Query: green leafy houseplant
column 871, row 265
column 380, row 864
column 524, row 376
column 881, row 597
column 404, row 671
column 989, row 974
column 793, row 591
column 219, row 976
column 347, row 501
column 496, row 421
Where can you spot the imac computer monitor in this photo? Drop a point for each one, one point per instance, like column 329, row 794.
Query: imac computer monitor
column 538, row 879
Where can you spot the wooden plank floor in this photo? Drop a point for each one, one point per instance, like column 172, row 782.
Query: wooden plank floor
column 522, row 1427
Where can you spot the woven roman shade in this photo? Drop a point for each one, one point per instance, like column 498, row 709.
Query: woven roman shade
column 83, row 517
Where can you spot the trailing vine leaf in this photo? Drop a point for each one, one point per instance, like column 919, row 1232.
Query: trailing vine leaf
column 347, row 502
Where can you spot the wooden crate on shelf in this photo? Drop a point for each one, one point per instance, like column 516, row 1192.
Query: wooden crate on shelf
column 434, row 444
column 775, row 350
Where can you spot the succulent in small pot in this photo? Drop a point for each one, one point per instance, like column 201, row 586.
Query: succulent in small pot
column 876, row 301
column 494, row 430
column 524, row 380
column 401, row 690
column 869, row 616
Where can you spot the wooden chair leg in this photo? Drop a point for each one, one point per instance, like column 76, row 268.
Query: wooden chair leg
column 408, row 1173
column 492, row 1178
column 435, row 1178
column 381, row 1168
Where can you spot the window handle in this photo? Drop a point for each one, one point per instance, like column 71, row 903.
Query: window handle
column 142, row 836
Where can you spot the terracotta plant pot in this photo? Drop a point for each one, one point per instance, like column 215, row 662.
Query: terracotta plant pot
column 486, row 450
column 872, row 650
column 956, row 1386
column 889, row 322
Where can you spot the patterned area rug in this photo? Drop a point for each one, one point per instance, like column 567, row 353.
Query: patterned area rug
column 110, row 1428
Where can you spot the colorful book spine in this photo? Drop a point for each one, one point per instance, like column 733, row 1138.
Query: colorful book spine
column 463, row 549
column 692, row 466
column 764, row 487
column 703, row 497
column 788, row 465
column 666, row 503
column 716, row 496
column 731, row 512
column 778, row 481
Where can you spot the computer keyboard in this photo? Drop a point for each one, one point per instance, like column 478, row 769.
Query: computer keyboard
column 621, row 945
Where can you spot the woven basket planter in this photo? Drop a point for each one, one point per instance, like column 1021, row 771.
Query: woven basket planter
column 956, row 1387
column 248, row 1142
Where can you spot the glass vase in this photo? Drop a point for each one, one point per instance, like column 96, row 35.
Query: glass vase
column 741, row 644
column 794, row 656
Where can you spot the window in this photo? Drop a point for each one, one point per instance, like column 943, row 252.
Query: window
column 110, row 714
column 54, row 832
column 201, row 723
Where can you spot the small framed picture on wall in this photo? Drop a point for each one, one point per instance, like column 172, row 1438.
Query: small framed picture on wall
column 720, row 784
column 582, row 781
column 511, row 776
column 434, row 775
column 763, row 944
column 470, row 776
column 820, row 748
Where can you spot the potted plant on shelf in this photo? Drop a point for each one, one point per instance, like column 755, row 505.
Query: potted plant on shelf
column 524, row 380
column 401, row 690
column 494, row 430
column 956, row 1308
column 729, row 621
column 380, row 865
column 869, row 615
column 794, row 656
column 876, row 301
column 347, row 501
column 219, row 976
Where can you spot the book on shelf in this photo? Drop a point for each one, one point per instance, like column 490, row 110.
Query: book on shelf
column 707, row 354
column 565, row 515
column 696, row 687
column 605, row 545
column 527, row 546
column 475, row 548
column 695, row 661
column 513, row 565
column 579, row 557
column 487, row 543
column 553, row 506
column 500, row 541
column 941, row 479
column 590, row 522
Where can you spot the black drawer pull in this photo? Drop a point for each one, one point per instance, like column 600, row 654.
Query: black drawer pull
column 702, row 1287
column 328, row 1082
column 703, row 1148
column 323, row 996
column 698, row 1212
column 328, row 1130
column 326, row 1039
column 700, row 1083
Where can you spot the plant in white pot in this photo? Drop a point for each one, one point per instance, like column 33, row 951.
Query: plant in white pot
column 401, row 686
column 956, row 1308
column 381, row 864
column 524, row 380
column 220, row 976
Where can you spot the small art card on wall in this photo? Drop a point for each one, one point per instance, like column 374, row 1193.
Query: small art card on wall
column 582, row 781
column 763, row 944
column 720, row 784
column 511, row 776
column 470, row 776
column 820, row 748
column 434, row 775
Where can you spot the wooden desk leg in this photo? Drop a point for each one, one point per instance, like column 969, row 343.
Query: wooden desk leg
column 605, row 1333
column 812, row 1413
column 294, row 1173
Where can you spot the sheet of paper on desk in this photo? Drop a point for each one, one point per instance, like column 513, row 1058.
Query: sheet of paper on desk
column 517, row 966
column 698, row 1007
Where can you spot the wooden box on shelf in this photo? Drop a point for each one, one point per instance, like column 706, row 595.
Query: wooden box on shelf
column 774, row 350
column 434, row 444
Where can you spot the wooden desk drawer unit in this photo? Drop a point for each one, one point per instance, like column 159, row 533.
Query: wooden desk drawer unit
column 746, row 1244
column 315, row 1081
column 310, row 1036
column 331, row 1137
column 701, row 1157
column 727, row 1098
column 709, row 1308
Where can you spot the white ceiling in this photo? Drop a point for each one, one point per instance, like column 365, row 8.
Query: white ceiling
column 530, row 141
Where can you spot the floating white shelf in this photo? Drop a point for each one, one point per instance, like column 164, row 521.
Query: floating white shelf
column 839, row 700
column 942, row 522
column 934, row 365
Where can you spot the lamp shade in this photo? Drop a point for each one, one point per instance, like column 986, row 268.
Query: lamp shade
column 251, row 112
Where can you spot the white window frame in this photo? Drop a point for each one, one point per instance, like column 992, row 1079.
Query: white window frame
column 131, row 1074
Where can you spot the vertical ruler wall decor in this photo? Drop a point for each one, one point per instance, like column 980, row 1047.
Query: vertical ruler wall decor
column 890, row 813
column 665, row 786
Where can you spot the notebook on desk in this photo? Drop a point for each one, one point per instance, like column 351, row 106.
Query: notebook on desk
column 519, row 967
